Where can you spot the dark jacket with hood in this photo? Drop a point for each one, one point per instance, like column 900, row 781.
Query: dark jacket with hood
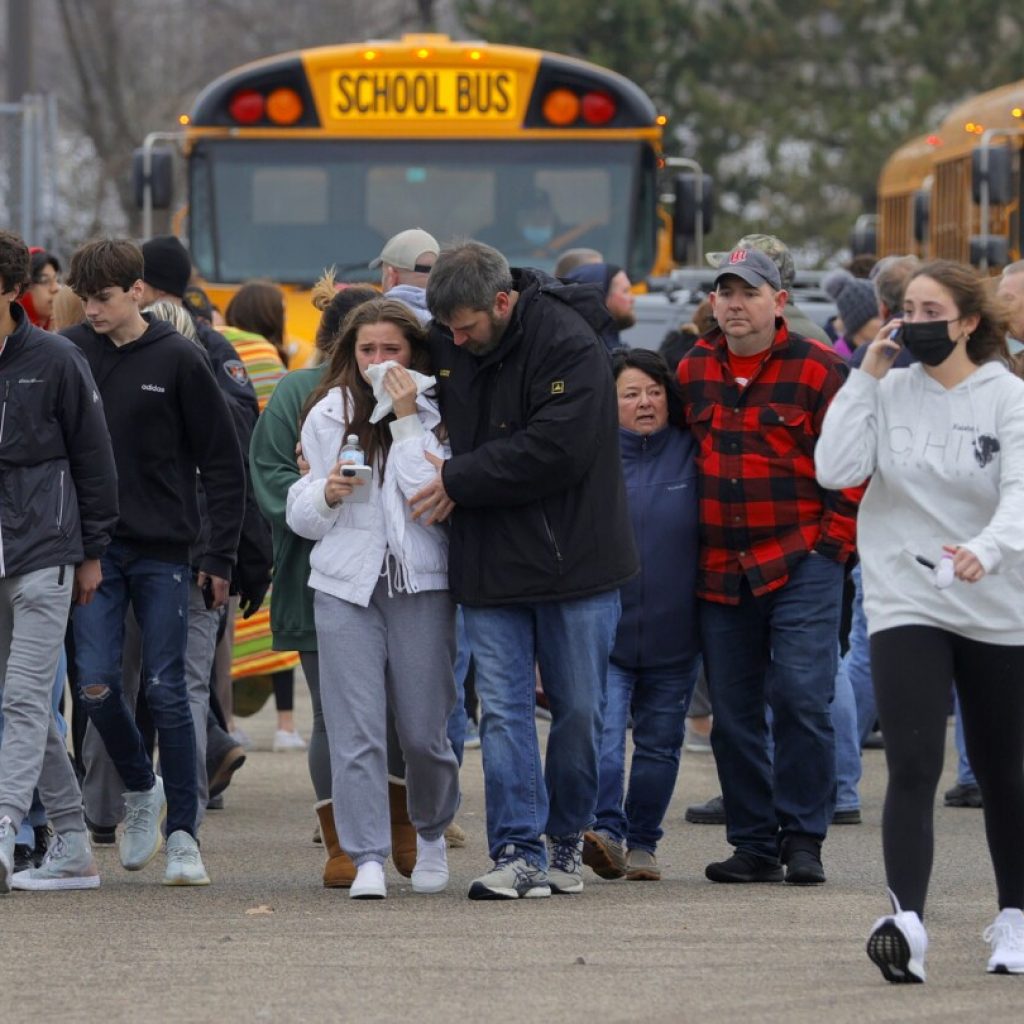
column 599, row 275
column 167, row 418
column 535, row 472
column 58, row 484
column 658, row 627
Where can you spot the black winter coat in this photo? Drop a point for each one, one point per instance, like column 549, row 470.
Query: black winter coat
column 58, row 485
column 535, row 472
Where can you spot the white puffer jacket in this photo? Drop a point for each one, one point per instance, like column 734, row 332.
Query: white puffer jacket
column 353, row 538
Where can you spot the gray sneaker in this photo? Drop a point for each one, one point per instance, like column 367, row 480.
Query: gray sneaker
column 68, row 864
column 512, row 878
column 8, row 835
column 144, row 815
column 184, row 865
column 565, row 864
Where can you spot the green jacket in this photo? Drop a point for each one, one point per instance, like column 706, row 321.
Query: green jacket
column 274, row 470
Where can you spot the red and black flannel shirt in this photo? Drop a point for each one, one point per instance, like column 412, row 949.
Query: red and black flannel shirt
column 761, row 509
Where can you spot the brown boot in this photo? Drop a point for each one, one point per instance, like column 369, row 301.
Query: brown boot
column 403, row 835
column 339, row 871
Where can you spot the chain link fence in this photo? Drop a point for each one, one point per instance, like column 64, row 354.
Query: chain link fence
column 28, row 168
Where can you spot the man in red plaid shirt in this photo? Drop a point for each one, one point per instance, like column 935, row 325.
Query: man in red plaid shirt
column 773, row 544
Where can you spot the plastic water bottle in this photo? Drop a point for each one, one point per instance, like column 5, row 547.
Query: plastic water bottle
column 351, row 452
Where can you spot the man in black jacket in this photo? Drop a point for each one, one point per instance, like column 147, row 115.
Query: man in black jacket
column 167, row 418
column 58, row 508
column 541, row 542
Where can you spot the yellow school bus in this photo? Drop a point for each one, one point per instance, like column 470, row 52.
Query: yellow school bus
column 945, row 166
column 315, row 158
column 904, row 189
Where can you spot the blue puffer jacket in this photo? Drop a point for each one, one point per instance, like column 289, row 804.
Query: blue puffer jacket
column 658, row 627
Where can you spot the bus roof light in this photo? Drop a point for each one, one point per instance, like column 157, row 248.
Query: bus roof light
column 247, row 106
column 561, row 107
column 284, row 106
column 1017, row 112
column 598, row 108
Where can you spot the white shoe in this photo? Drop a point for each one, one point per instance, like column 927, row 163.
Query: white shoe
column 897, row 945
column 184, row 865
column 144, row 815
column 285, row 740
column 369, row 883
column 8, row 836
column 431, row 871
column 1006, row 936
column 68, row 865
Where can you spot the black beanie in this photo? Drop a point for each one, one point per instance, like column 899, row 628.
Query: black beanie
column 166, row 265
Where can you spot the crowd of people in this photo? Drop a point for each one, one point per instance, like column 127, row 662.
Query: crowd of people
column 477, row 482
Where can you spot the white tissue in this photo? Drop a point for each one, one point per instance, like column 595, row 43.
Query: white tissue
column 944, row 575
column 375, row 375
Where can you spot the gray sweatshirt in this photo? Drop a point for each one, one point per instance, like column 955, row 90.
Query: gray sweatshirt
column 946, row 468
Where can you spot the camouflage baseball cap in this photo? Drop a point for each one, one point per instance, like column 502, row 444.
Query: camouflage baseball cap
column 772, row 247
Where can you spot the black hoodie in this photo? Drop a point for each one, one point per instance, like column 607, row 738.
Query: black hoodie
column 167, row 418
column 535, row 472
column 58, row 486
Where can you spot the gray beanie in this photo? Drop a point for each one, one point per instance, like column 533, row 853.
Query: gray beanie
column 854, row 298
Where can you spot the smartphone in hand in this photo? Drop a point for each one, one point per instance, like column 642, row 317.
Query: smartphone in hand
column 363, row 473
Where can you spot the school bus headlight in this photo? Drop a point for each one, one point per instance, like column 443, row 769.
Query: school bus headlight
column 598, row 108
column 661, row 120
column 284, row 106
column 247, row 106
column 561, row 107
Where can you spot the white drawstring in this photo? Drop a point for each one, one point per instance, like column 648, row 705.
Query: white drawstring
column 394, row 572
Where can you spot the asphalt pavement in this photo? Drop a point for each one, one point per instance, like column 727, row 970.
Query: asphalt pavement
column 266, row 942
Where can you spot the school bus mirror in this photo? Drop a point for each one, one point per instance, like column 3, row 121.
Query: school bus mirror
column 864, row 236
column 922, row 212
column 160, row 178
column 989, row 251
column 999, row 173
column 684, row 219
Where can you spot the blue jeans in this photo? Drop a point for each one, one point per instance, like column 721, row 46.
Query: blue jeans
column 778, row 650
column 964, row 771
column 848, row 763
column 571, row 641
column 857, row 661
column 158, row 592
column 658, row 699
column 458, row 720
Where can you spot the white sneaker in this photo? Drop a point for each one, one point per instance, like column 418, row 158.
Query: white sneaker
column 369, row 883
column 1006, row 936
column 285, row 740
column 897, row 945
column 144, row 815
column 8, row 836
column 184, row 865
column 68, row 864
column 431, row 871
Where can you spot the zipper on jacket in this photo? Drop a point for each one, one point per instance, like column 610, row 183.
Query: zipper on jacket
column 3, row 420
column 60, row 506
column 551, row 537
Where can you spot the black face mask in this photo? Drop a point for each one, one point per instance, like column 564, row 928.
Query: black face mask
column 929, row 342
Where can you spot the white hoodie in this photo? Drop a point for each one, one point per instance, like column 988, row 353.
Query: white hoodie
column 354, row 537
column 946, row 468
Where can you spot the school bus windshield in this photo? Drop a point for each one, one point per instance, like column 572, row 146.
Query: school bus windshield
column 288, row 209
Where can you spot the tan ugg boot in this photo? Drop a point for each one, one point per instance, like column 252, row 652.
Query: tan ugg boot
column 403, row 834
column 339, row 871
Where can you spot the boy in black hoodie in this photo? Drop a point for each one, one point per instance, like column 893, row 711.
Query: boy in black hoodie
column 58, row 507
column 167, row 418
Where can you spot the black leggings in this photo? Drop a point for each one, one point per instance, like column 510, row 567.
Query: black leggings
column 911, row 667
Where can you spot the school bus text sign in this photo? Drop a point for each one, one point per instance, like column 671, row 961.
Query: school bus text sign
column 433, row 93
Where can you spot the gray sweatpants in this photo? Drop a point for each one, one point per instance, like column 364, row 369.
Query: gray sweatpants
column 33, row 618
column 102, row 787
column 397, row 651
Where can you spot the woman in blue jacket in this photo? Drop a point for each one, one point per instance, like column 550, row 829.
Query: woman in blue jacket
column 655, row 660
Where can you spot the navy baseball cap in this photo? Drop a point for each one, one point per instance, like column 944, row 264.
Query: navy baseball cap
column 752, row 266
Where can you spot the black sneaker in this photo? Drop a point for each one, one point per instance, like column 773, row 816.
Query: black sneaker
column 744, row 867
column 963, row 795
column 802, row 857
column 847, row 817
column 710, row 813
column 23, row 860
column 42, row 834
column 102, row 835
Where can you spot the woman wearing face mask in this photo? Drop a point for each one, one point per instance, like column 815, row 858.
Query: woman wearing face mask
column 654, row 663
column 943, row 559
column 385, row 622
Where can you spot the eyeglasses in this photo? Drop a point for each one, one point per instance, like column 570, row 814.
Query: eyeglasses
column 47, row 279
